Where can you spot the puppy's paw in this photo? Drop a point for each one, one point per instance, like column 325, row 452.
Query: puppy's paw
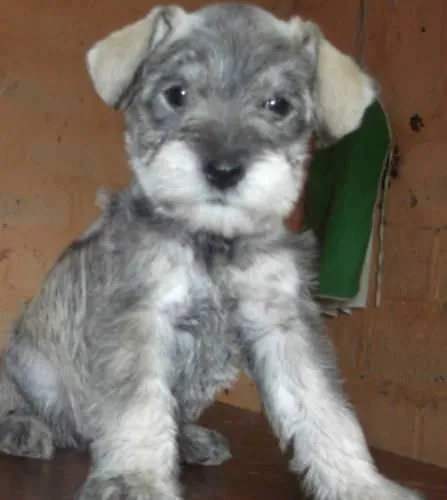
column 200, row 446
column 123, row 488
column 25, row 436
column 385, row 490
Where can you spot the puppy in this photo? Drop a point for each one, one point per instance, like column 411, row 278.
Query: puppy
column 189, row 275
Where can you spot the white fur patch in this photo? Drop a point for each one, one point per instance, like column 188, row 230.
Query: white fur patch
column 173, row 176
column 270, row 187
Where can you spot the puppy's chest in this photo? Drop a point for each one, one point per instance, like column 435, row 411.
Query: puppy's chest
column 205, row 328
column 208, row 312
column 207, row 350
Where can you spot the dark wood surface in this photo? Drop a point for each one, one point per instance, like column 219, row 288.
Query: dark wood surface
column 257, row 470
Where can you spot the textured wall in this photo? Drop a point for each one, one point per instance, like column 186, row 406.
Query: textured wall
column 58, row 143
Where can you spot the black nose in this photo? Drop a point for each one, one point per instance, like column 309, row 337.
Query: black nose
column 223, row 174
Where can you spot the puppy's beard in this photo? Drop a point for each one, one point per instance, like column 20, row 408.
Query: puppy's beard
column 174, row 182
column 271, row 186
column 172, row 177
column 222, row 219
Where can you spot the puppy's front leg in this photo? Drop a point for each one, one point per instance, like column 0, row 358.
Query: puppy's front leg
column 294, row 367
column 134, row 449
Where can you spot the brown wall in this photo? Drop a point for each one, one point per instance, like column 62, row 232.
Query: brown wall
column 58, row 143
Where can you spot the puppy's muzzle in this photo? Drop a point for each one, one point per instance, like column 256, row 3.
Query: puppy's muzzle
column 223, row 174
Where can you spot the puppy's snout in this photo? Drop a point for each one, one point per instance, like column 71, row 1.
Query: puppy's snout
column 222, row 174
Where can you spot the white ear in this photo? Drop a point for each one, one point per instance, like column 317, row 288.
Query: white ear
column 113, row 61
column 342, row 90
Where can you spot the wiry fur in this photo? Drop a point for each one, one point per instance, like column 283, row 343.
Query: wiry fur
column 179, row 283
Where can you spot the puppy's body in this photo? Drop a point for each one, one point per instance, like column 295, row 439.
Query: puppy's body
column 189, row 275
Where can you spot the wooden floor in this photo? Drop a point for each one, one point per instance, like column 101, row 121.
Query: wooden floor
column 257, row 470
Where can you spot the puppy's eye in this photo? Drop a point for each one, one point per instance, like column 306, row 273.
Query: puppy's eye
column 278, row 105
column 175, row 96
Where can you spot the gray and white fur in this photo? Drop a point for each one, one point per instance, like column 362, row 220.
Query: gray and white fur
column 189, row 274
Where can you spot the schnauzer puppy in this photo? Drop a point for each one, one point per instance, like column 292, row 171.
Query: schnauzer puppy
column 189, row 274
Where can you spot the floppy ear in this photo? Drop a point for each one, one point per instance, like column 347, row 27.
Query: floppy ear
column 113, row 61
column 342, row 91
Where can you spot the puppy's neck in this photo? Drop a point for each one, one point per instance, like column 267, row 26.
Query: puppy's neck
column 212, row 248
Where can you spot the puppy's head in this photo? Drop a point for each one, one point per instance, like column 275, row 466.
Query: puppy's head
column 220, row 104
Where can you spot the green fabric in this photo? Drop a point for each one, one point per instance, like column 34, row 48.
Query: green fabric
column 341, row 197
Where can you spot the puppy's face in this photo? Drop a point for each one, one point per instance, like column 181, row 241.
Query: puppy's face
column 219, row 114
